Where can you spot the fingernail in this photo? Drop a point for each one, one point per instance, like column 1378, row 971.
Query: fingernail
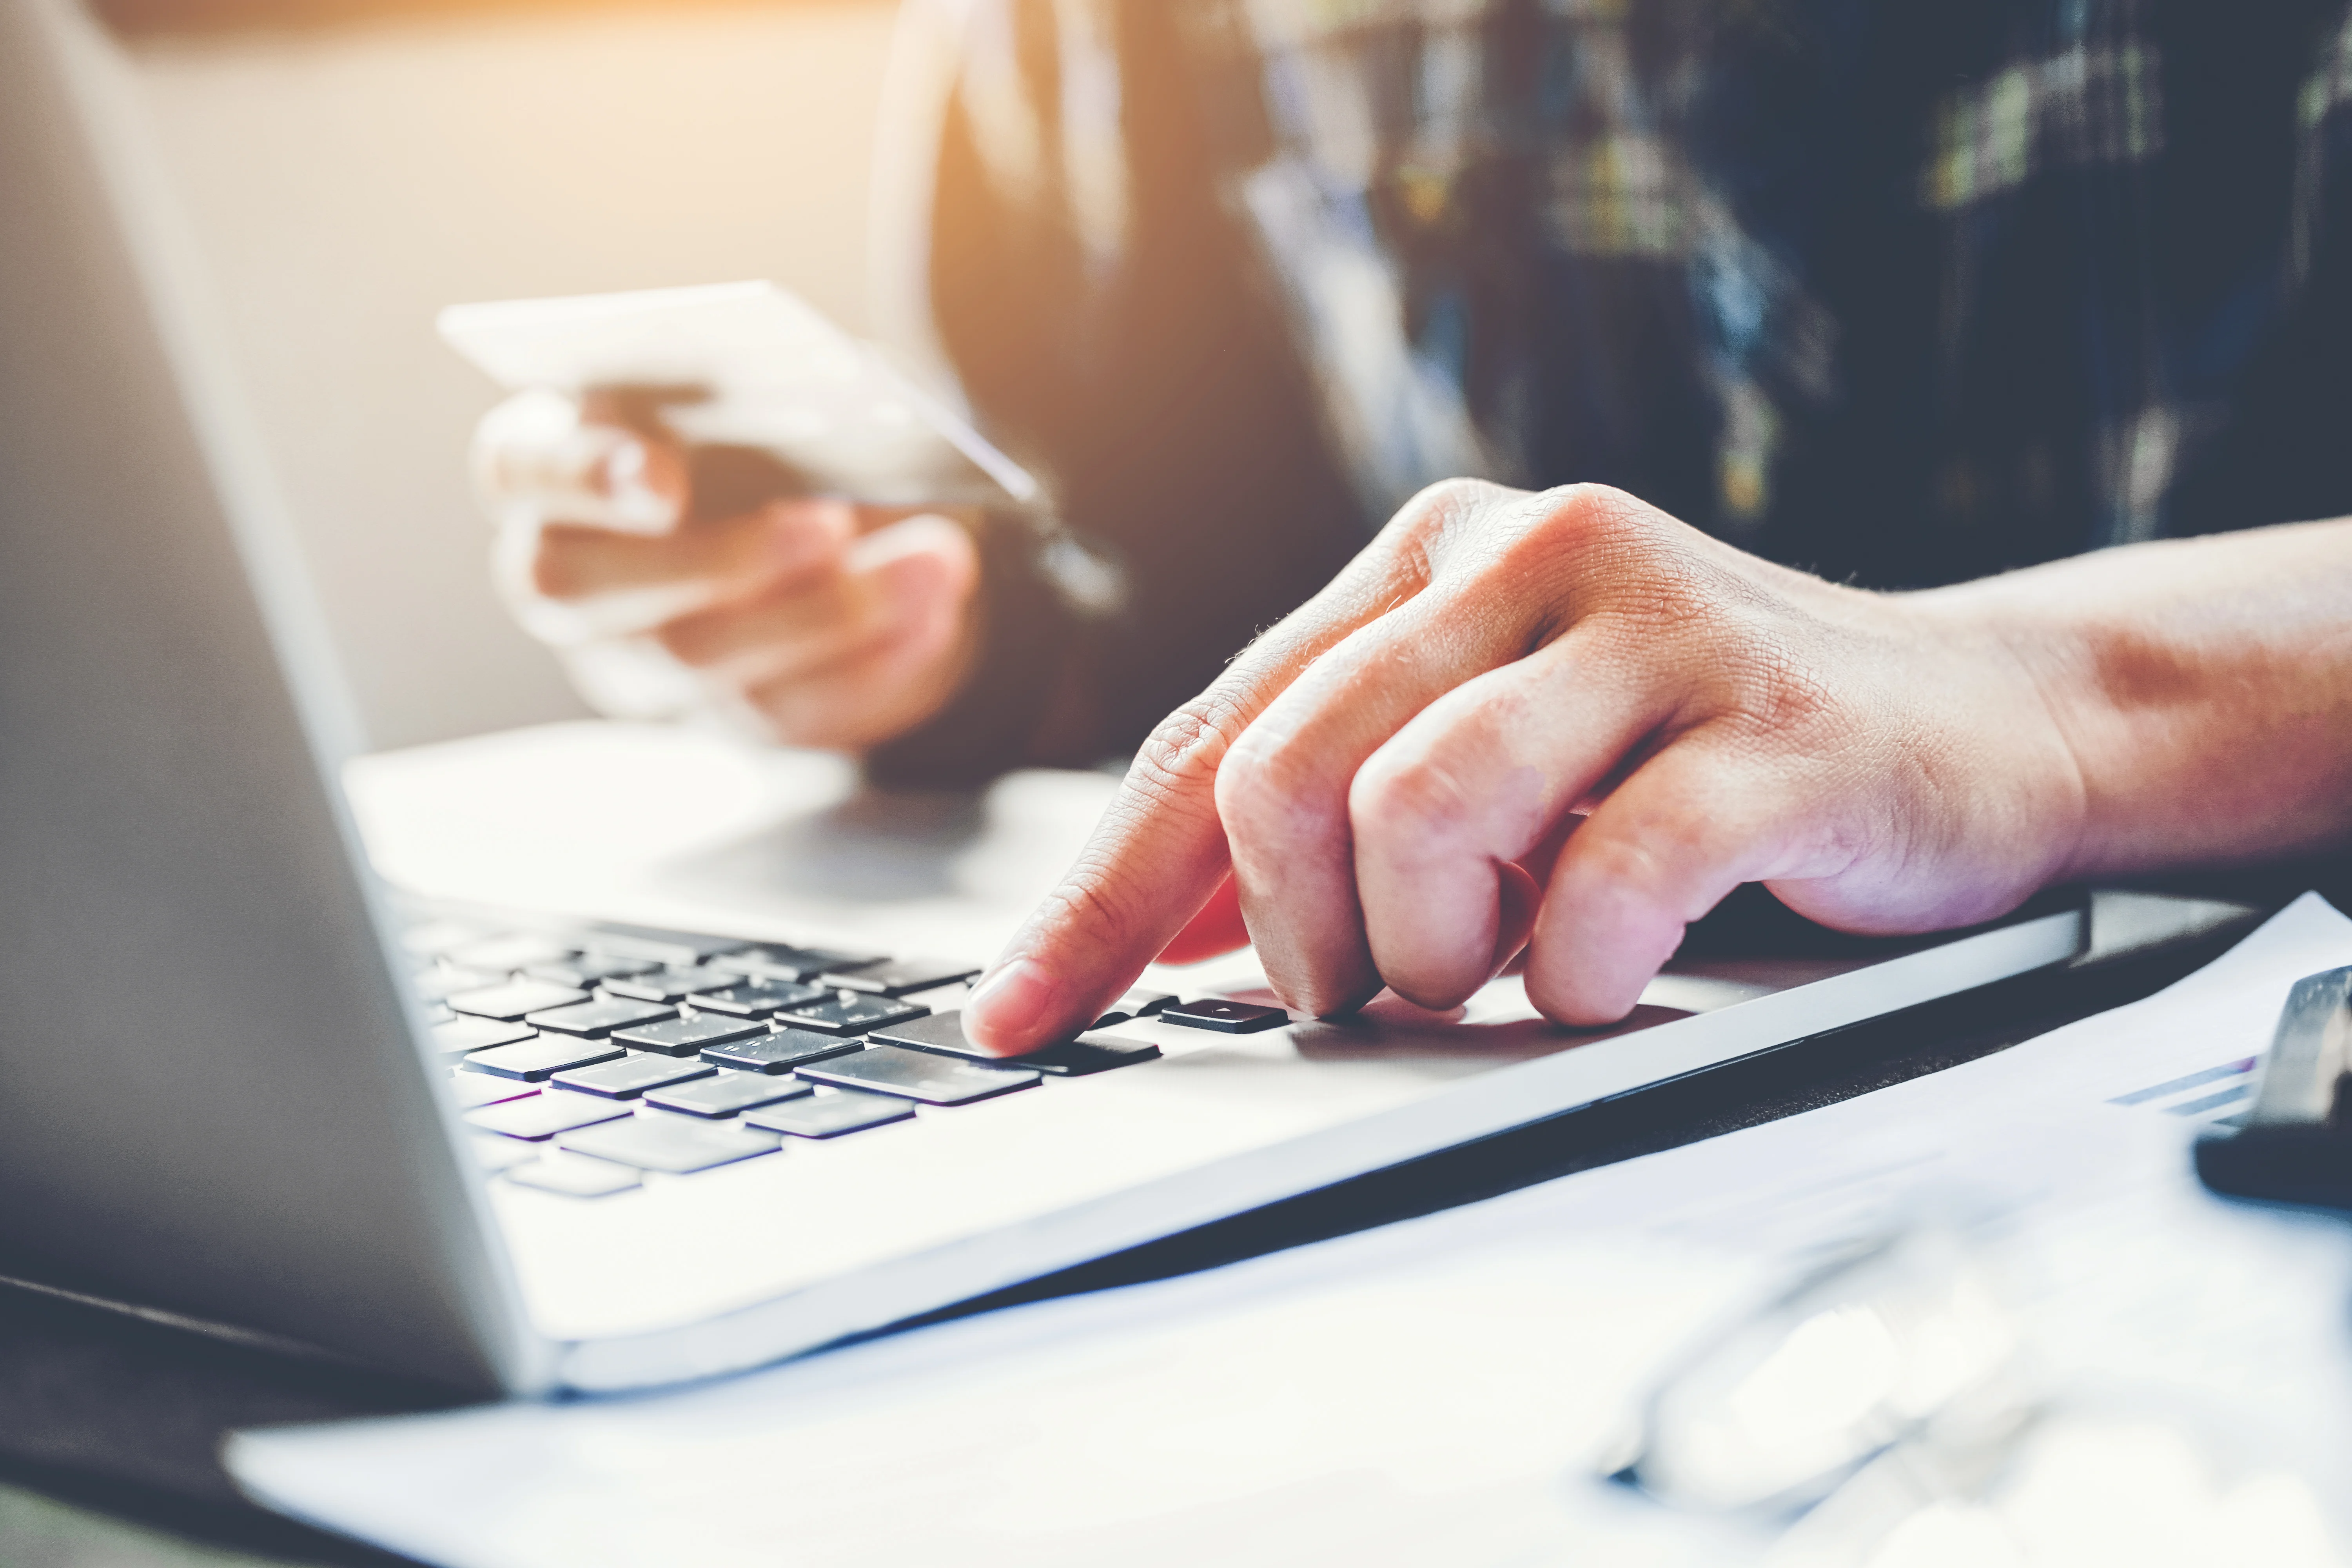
column 1008, row 1001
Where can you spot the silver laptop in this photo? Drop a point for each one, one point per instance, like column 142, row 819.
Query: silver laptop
column 525, row 1154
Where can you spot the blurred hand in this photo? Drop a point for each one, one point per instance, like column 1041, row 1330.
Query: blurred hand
column 820, row 622
column 1564, row 723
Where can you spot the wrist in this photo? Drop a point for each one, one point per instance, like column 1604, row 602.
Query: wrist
column 2035, row 722
column 2202, row 687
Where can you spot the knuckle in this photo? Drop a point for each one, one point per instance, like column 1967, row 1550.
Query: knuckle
column 1451, row 504
column 1605, row 506
column 1598, row 526
column 1630, row 564
column 1549, row 557
column 1179, row 761
column 1412, row 803
column 1636, row 867
column 1095, row 903
column 1453, row 494
column 1436, row 523
column 1263, row 791
column 1443, row 503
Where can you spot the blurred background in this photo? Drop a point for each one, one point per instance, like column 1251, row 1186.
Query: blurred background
column 351, row 168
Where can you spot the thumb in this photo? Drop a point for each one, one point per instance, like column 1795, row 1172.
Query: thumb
column 538, row 456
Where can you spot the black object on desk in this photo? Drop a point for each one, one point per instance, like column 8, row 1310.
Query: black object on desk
column 2295, row 1146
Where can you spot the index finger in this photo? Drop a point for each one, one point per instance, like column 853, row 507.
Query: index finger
column 1160, row 849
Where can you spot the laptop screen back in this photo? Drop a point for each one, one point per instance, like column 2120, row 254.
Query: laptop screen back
column 213, row 1101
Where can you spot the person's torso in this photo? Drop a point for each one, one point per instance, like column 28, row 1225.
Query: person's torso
column 1904, row 294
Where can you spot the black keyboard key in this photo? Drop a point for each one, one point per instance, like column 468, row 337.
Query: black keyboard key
column 1087, row 1054
column 831, row 1115
column 472, row 1088
column 512, row 1001
column 759, row 998
column 1135, row 1004
column 920, row 1075
column 686, row 1037
column 672, row 985
column 459, row 1036
column 782, row 961
column 1225, row 1017
column 726, row 1093
column 850, row 1015
column 543, row 1116
column 601, row 1016
column 514, row 949
column 434, row 984
column 897, row 977
column 536, row 1060
column 1090, row 1053
column 670, row 1143
column 587, row 969
column 574, row 1176
column 631, row 1075
column 780, row 1052
column 684, row 949
column 942, row 1032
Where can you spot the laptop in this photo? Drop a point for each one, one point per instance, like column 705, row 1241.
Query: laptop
column 528, row 1153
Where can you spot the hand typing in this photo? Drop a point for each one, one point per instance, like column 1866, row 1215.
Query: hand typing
column 1566, row 724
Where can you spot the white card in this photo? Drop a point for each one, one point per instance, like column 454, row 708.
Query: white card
column 748, row 364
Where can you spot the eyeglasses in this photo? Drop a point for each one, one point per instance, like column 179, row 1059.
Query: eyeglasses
column 1884, row 1413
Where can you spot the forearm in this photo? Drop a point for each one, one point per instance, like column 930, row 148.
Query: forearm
column 2203, row 688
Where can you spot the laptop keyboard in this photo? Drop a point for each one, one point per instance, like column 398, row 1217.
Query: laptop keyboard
column 585, row 1059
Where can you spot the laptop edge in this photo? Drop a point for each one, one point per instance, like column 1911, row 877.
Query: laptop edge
column 197, row 988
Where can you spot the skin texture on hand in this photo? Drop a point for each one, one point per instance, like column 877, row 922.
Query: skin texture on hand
column 815, row 622
column 1570, row 723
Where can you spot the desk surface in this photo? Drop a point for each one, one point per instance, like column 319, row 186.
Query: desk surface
column 122, row 1415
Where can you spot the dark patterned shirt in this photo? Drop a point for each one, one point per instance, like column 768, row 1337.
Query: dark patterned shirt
column 1903, row 293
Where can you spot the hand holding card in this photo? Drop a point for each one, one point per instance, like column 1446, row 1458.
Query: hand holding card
column 672, row 482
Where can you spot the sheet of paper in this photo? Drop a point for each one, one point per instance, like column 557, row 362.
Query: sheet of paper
column 1436, row 1390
